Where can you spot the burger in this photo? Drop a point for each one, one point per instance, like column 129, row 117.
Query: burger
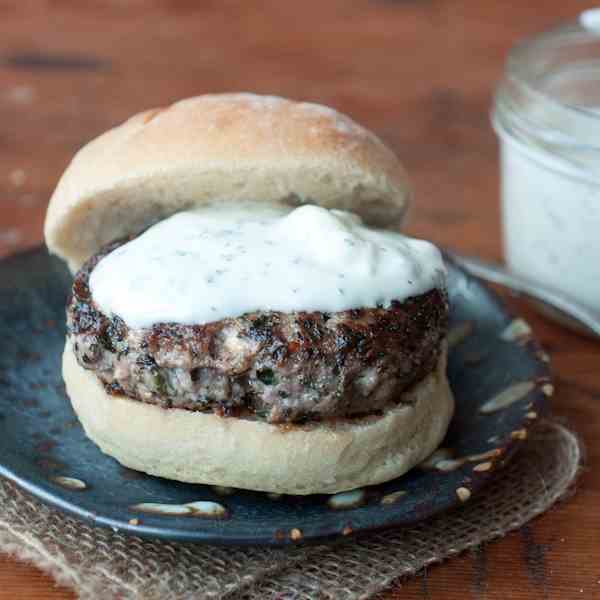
column 243, row 310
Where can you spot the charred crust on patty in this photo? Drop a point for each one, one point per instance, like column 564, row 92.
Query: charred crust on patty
column 281, row 367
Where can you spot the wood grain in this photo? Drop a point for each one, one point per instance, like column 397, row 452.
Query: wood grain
column 421, row 73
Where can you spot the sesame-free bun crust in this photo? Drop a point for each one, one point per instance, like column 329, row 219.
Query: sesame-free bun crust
column 325, row 457
column 226, row 146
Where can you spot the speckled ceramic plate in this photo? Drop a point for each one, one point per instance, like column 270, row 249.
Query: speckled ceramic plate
column 498, row 374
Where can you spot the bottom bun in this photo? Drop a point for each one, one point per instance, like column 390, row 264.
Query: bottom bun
column 318, row 457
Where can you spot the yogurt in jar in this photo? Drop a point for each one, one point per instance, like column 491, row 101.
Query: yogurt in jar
column 551, row 224
column 547, row 116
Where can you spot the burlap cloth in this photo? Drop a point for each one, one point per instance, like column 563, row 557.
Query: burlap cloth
column 98, row 563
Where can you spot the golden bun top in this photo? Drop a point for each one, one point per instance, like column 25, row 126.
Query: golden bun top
column 222, row 146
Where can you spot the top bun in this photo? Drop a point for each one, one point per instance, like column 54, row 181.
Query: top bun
column 229, row 146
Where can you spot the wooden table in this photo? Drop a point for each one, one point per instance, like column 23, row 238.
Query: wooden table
column 419, row 72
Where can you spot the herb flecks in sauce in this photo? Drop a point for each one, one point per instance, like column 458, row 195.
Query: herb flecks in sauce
column 246, row 257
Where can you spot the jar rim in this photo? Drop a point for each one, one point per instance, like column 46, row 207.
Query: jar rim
column 522, row 55
column 545, row 76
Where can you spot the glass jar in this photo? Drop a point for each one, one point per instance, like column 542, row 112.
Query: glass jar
column 547, row 117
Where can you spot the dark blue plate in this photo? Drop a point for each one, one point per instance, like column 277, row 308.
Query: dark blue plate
column 498, row 374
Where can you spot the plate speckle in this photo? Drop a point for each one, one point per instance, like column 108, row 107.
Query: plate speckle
column 449, row 465
column 393, row 497
column 200, row 508
column 548, row 389
column 506, row 397
column 463, row 494
column 71, row 483
column 210, row 510
column 347, row 500
column 518, row 331
column 157, row 508
column 482, row 467
column 485, row 455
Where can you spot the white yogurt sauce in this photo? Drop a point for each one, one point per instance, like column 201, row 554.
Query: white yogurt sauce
column 225, row 260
